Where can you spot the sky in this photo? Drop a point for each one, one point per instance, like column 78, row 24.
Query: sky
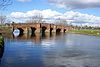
column 76, row 12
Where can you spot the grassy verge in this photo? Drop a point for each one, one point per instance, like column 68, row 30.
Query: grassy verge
column 6, row 29
column 87, row 32
column 1, row 41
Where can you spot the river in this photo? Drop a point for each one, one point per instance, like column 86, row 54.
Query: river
column 61, row 50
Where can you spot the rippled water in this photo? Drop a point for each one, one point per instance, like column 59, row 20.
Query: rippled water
column 63, row 50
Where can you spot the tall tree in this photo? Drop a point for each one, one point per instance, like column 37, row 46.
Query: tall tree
column 37, row 18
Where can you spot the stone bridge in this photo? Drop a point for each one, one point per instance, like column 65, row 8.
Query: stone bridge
column 39, row 27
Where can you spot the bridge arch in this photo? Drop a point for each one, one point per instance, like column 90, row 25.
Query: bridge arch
column 33, row 29
column 18, row 32
column 58, row 30
column 51, row 29
column 64, row 30
column 43, row 29
column 21, row 31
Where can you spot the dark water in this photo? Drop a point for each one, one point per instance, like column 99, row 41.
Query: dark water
column 63, row 50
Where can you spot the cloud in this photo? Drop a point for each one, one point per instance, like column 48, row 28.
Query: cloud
column 70, row 16
column 48, row 13
column 77, row 16
column 18, row 15
column 76, row 4
column 24, row 0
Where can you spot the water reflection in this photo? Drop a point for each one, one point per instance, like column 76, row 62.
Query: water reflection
column 36, row 37
column 1, row 52
column 52, row 50
column 63, row 58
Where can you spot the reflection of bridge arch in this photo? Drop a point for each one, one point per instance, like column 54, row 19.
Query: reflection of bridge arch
column 51, row 29
column 64, row 30
column 33, row 29
column 44, row 29
column 58, row 30
column 21, row 31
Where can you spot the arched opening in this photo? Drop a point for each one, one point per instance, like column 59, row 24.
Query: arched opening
column 51, row 31
column 43, row 31
column 58, row 30
column 16, row 32
column 21, row 31
column 64, row 30
column 33, row 31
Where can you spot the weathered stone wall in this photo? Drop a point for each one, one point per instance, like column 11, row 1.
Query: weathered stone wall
column 26, row 27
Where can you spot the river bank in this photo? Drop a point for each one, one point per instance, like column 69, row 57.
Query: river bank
column 4, row 29
column 1, row 41
column 87, row 32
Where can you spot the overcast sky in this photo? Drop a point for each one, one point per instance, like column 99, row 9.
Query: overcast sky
column 84, row 12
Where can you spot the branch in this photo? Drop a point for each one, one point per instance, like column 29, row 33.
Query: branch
column 5, row 3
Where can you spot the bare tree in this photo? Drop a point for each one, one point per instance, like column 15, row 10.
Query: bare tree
column 60, row 21
column 5, row 3
column 37, row 18
column 2, row 19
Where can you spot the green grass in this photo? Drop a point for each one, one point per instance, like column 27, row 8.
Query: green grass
column 87, row 32
column 6, row 29
column 1, row 41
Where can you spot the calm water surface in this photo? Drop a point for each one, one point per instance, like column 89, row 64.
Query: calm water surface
column 63, row 50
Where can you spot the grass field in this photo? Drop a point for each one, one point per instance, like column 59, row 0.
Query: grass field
column 87, row 32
